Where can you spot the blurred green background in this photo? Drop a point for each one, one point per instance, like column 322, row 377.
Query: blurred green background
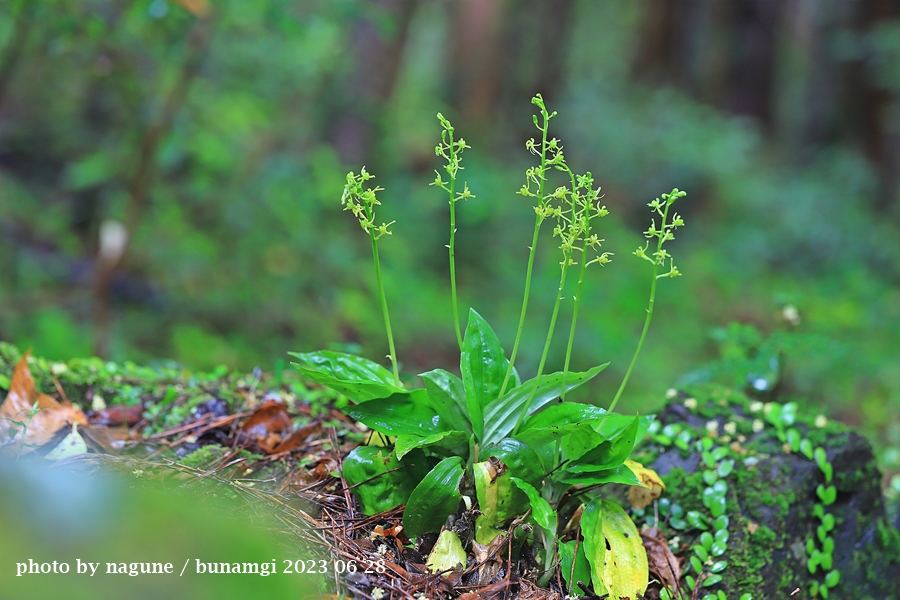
column 219, row 134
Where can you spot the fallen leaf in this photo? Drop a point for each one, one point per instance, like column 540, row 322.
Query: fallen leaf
column 199, row 8
column 22, row 399
column 72, row 445
column 661, row 561
column 265, row 426
column 297, row 437
column 117, row 415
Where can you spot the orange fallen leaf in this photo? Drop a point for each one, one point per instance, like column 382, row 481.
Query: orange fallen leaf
column 199, row 8
column 116, row 415
column 266, row 425
column 297, row 437
column 23, row 397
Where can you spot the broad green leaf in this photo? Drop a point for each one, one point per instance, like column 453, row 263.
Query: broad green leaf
column 357, row 378
column 447, row 396
column 543, row 514
column 617, row 555
column 404, row 413
column 489, row 496
column 609, row 454
column 447, row 554
column 434, row 498
column 501, row 415
column 616, row 424
column 451, row 440
column 483, row 366
column 563, row 413
column 565, row 420
column 517, row 457
column 378, row 480
column 594, row 542
column 621, row 474
column 581, row 571
column 499, row 499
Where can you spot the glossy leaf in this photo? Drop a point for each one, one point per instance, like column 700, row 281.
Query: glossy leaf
column 543, row 514
column 608, row 455
column 499, row 499
column 574, row 566
column 501, row 415
column 517, row 457
column 621, row 474
column 447, row 395
column 697, row 520
column 357, row 378
column 806, row 448
column 400, row 414
column 432, row 501
column 378, row 480
column 617, row 556
column 826, row 494
column 564, row 413
column 453, row 441
column 483, row 366
column 564, row 419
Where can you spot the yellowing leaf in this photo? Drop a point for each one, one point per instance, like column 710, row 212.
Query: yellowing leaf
column 72, row 445
column 618, row 560
column 447, row 554
column 651, row 487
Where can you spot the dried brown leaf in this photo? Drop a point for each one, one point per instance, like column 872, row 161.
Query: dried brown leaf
column 43, row 426
column 662, row 563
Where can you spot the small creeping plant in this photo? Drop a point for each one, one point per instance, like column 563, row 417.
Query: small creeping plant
column 518, row 447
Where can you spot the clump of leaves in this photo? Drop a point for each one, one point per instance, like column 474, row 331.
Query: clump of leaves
column 516, row 446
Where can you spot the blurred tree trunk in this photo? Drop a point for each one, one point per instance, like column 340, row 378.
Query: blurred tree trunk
column 142, row 182
column 502, row 53
column 377, row 52
column 9, row 59
column 735, row 54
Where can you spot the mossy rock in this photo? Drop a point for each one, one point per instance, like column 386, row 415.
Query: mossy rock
column 771, row 497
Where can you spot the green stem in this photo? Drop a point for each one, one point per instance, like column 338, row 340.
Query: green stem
column 578, row 291
column 581, row 272
column 534, row 240
column 515, row 350
column 384, row 308
column 540, row 370
column 640, row 345
column 459, row 339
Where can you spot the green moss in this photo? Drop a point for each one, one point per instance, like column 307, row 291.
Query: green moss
column 204, row 456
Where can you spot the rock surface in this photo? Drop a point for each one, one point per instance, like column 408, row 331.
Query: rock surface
column 771, row 496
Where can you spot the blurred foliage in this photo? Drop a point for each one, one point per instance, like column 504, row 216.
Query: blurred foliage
column 221, row 141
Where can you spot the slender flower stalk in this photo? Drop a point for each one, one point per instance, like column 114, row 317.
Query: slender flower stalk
column 572, row 225
column 452, row 150
column 658, row 258
column 533, row 176
column 362, row 202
